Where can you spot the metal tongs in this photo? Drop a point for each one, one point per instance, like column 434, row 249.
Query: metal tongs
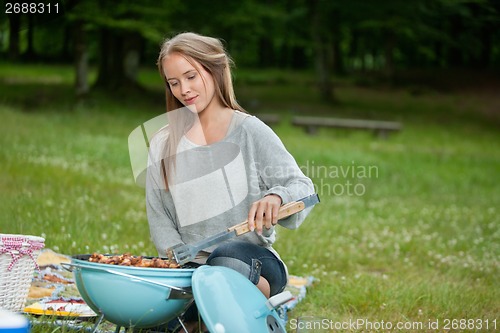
column 183, row 253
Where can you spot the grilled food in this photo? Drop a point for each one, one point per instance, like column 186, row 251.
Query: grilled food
column 129, row 260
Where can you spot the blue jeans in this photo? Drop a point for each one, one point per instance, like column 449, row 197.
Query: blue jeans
column 252, row 261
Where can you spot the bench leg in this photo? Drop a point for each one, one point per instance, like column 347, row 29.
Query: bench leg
column 312, row 130
column 381, row 133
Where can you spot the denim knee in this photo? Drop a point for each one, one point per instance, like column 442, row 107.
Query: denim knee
column 252, row 261
column 229, row 257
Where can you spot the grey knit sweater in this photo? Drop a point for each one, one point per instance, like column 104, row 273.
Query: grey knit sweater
column 215, row 185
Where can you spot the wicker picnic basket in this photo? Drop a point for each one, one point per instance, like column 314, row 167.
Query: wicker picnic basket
column 18, row 255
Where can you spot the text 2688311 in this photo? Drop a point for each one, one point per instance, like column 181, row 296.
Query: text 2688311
column 31, row 8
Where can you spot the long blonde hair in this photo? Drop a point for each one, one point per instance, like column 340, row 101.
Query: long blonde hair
column 209, row 52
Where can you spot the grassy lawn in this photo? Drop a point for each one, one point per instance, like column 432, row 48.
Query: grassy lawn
column 407, row 230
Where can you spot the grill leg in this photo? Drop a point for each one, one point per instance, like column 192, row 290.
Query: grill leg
column 182, row 324
column 99, row 320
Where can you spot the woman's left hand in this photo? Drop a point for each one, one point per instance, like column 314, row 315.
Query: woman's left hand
column 264, row 213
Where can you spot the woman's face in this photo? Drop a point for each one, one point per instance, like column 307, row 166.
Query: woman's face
column 192, row 85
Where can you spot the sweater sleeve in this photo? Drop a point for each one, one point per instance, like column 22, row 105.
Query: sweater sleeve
column 160, row 208
column 279, row 171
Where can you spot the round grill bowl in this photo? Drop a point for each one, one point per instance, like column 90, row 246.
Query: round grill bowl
column 133, row 296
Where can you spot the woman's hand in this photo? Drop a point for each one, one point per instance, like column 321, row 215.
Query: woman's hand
column 264, row 213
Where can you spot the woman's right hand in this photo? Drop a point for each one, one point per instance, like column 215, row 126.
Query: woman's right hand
column 264, row 213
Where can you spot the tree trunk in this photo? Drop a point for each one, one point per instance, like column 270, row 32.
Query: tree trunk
column 338, row 59
column 482, row 59
column 353, row 52
column 298, row 58
column 321, row 52
column 14, row 28
column 109, row 74
column 390, row 43
column 30, row 52
column 455, row 53
column 81, row 60
column 266, row 52
column 131, row 61
column 119, row 61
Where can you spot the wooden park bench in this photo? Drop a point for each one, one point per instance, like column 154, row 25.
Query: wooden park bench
column 269, row 118
column 380, row 128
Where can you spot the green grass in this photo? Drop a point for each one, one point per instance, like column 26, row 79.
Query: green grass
column 421, row 243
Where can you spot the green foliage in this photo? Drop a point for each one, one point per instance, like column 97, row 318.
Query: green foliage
column 279, row 33
column 148, row 18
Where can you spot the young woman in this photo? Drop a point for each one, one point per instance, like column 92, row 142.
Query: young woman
column 214, row 166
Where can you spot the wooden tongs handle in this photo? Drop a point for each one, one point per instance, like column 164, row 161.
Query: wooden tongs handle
column 285, row 211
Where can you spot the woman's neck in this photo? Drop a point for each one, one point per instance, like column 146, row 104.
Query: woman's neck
column 212, row 125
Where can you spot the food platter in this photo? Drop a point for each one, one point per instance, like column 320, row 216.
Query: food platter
column 61, row 308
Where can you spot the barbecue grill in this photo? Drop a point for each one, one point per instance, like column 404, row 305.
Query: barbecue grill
column 139, row 297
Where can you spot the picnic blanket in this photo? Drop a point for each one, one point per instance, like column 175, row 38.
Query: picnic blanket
column 54, row 297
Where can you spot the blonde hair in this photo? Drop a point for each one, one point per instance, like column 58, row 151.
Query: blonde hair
column 209, row 52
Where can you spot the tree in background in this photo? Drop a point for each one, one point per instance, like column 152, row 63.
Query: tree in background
column 122, row 30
